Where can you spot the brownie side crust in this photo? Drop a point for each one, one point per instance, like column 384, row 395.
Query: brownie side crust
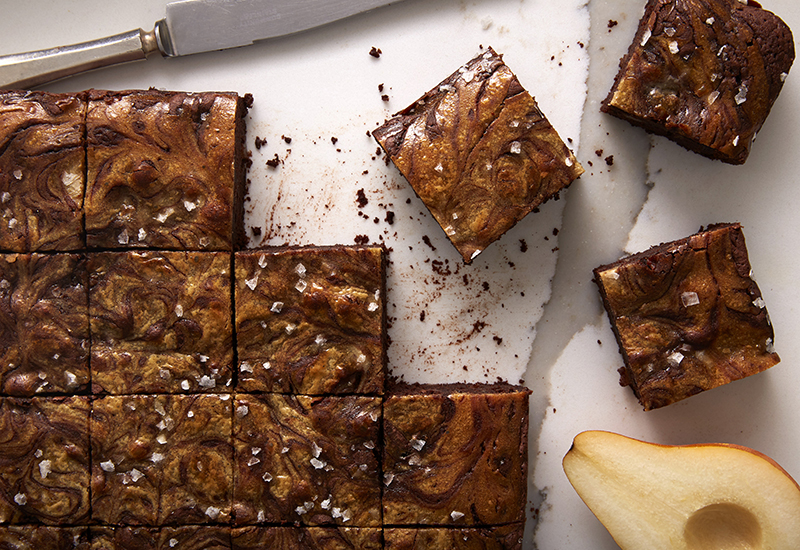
column 505, row 537
column 479, row 153
column 306, row 538
column 687, row 316
column 41, row 171
column 455, row 459
column 703, row 74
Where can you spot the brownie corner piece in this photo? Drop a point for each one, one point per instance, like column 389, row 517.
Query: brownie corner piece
column 703, row 74
column 687, row 315
column 44, row 324
column 41, row 171
column 479, row 153
column 307, row 460
column 44, row 461
column 311, row 320
column 165, row 170
column 455, row 455
column 171, row 337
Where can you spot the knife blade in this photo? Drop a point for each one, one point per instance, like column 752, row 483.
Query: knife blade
column 189, row 27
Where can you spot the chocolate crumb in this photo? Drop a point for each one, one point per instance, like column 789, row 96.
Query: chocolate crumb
column 260, row 142
column 599, row 152
column 612, row 23
column 485, row 285
column 523, row 246
column 497, row 339
column 361, row 198
column 555, row 231
column 287, row 139
column 385, row 97
column 375, row 52
column 427, row 241
column 390, row 217
column 256, row 231
column 361, row 239
column 334, row 140
column 274, row 162
column 380, row 87
column 422, row 315
column 609, row 160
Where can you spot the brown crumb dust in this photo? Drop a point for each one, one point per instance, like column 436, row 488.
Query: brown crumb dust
column 609, row 160
column 375, row 52
column 287, row 139
column 361, row 198
column 260, row 142
column 427, row 241
column 523, row 246
column 274, row 162
column 361, row 239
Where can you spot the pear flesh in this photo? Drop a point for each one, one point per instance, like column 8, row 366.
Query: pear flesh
column 693, row 497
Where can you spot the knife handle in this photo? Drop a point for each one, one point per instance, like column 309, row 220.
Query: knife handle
column 30, row 69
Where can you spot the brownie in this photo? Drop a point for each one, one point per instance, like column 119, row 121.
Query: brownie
column 307, row 460
column 455, row 454
column 174, row 336
column 165, row 170
column 687, row 316
column 31, row 537
column 188, row 537
column 311, row 320
column 41, row 171
column 703, row 74
column 44, row 324
column 306, row 538
column 44, row 460
column 504, row 537
column 479, row 153
column 161, row 459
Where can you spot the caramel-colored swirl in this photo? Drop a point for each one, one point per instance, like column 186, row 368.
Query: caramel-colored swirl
column 160, row 322
column 41, row 171
column 161, row 460
column 44, row 328
column 24, row 537
column 455, row 458
column 308, row 460
column 704, row 73
column 162, row 169
column 306, row 538
column 505, row 537
column 189, row 537
column 479, row 153
column 311, row 320
column 688, row 316
column 44, row 460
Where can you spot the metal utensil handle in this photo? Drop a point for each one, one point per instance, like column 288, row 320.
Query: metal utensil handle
column 30, row 69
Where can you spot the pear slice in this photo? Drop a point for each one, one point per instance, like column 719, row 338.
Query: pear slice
column 694, row 497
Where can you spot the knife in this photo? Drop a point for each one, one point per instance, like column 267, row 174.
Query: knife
column 190, row 26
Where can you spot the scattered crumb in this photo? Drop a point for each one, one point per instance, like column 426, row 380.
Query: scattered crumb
column 385, row 97
column 274, row 162
column 334, row 140
column 390, row 217
column 523, row 246
column 599, row 152
column 260, row 142
column 427, row 241
column 380, row 87
column 287, row 139
column 611, row 24
column 361, row 198
column 609, row 160
column 361, row 239
column 375, row 52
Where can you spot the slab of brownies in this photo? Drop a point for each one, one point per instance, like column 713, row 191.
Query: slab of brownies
column 160, row 387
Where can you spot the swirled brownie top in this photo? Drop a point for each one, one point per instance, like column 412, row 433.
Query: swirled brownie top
column 687, row 315
column 479, row 153
column 41, row 171
column 704, row 74
column 164, row 170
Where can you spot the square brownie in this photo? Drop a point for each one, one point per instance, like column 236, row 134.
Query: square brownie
column 455, row 454
column 160, row 321
column 504, row 537
column 687, row 316
column 479, row 153
column 44, row 324
column 311, row 320
column 161, row 459
column 307, row 460
column 703, row 74
column 31, row 537
column 42, row 175
column 187, row 537
column 44, row 460
column 306, row 538
column 165, row 170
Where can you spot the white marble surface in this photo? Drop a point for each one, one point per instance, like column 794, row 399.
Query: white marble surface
column 541, row 303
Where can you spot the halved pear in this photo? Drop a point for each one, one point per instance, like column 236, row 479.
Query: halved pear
column 694, row 497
